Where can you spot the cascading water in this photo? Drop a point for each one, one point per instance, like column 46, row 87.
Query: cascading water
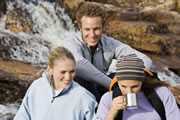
column 50, row 23
column 169, row 76
column 7, row 111
column 51, row 27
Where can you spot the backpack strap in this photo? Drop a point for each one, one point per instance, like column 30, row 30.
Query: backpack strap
column 156, row 102
column 115, row 93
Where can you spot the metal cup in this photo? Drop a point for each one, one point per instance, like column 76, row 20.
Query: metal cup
column 131, row 101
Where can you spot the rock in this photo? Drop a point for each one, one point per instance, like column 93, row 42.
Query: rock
column 3, row 7
column 15, row 77
column 161, row 16
column 18, row 20
column 18, row 70
column 178, row 6
column 134, row 3
column 144, row 36
column 113, row 2
column 70, row 5
column 162, row 61
column 174, row 28
column 26, row 48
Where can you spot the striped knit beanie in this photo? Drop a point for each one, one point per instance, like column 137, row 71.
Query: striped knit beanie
column 130, row 67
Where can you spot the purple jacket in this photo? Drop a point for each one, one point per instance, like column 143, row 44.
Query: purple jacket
column 144, row 111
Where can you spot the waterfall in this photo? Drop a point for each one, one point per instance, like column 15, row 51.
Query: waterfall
column 50, row 23
column 51, row 28
column 7, row 111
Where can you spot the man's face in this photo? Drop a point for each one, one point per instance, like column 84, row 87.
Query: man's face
column 91, row 28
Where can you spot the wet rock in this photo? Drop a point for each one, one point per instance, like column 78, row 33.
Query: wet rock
column 18, row 20
column 12, row 91
column 15, row 77
column 26, row 48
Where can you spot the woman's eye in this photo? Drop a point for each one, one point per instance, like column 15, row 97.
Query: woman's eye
column 73, row 71
column 62, row 72
column 123, row 86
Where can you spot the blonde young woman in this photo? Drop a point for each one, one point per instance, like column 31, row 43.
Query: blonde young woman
column 55, row 96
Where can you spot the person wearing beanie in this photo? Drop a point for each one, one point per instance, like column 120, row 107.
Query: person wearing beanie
column 153, row 100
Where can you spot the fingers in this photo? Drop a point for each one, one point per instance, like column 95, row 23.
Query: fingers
column 175, row 90
column 119, row 103
column 178, row 99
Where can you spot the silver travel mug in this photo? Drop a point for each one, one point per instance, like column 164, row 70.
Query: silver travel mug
column 131, row 101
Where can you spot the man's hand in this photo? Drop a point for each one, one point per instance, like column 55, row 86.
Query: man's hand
column 176, row 92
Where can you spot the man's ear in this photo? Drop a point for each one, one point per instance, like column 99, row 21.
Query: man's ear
column 78, row 25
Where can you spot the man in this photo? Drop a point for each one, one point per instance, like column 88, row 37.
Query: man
column 94, row 52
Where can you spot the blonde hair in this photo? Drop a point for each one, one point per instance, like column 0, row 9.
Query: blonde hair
column 59, row 53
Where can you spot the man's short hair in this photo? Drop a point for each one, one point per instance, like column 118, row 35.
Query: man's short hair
column 90, row 10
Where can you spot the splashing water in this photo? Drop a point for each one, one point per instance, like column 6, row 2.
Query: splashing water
column 53, row 25
column 8, row 111
column 169, row 76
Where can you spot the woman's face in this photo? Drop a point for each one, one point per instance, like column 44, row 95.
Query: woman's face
column 129, row 86
column 63, row 72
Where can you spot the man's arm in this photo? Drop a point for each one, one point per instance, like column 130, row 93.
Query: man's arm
column 176, row 92
column 123, row 49
column 84, row 69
